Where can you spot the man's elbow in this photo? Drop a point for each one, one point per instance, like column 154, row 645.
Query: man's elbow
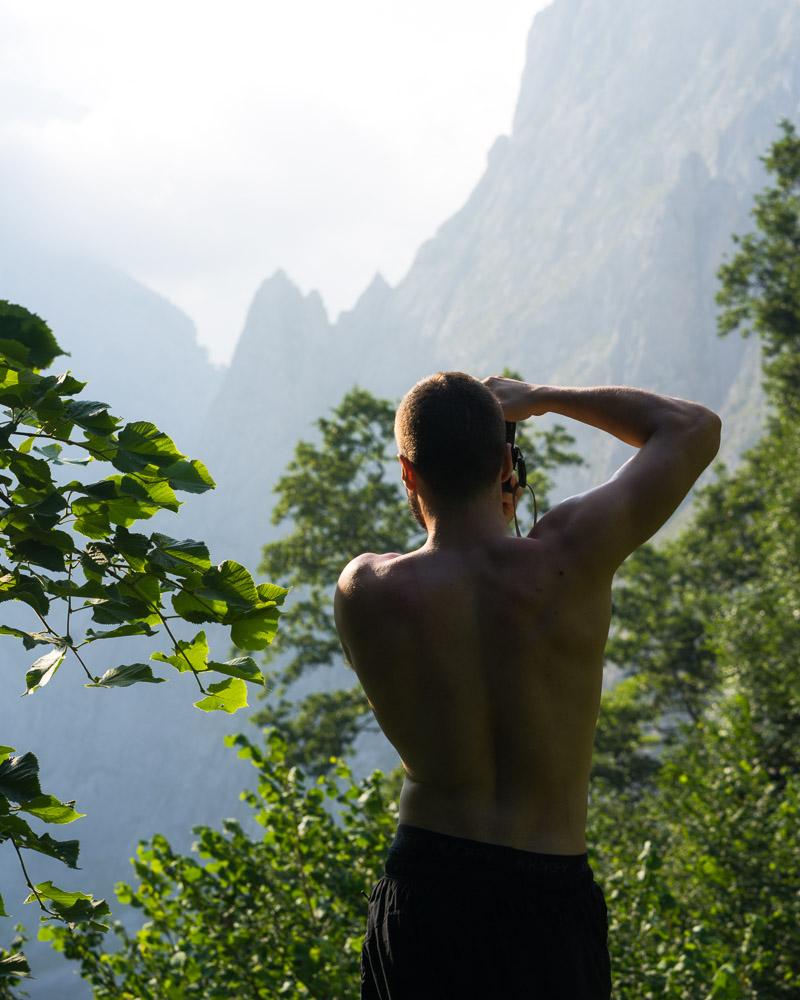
column 707, row 432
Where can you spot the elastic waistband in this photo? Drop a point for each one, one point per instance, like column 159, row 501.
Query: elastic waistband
column 417, row 852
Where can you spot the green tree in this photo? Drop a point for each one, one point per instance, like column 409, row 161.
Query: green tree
column 344, row 496
column 281, row 914
column 71, row 562
column 760, row 290
column 700, row 860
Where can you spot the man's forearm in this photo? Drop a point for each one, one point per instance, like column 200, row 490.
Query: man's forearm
column 632, row 415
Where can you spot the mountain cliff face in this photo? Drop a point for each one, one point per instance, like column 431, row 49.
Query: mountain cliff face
column 266, row 403
column 587, row 252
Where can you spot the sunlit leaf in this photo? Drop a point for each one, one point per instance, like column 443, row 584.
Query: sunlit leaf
column 51, row 810
column 190, row 655
column 127, row 674
column 241, row 666
column 43, row 670
column 226, row 696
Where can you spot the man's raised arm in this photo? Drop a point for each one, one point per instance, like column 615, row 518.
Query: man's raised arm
column 676, row 439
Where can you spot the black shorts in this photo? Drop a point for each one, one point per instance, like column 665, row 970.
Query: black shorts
column 458, row 919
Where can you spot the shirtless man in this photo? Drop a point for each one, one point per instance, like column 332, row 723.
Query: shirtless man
column 481, row 655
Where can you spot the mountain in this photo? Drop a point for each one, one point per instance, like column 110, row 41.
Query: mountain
column 587, row 252
column 248, row 432
column 136, row 350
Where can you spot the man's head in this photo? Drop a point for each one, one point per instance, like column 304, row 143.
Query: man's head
column 450, row 430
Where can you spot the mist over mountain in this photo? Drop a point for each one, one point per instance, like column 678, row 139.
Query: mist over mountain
column 136, row 350
column 587, row 253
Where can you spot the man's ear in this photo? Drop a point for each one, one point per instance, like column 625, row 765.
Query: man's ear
column 508, row 464
column 408, row 472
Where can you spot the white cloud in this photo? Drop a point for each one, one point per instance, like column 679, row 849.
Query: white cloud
column 201, row 145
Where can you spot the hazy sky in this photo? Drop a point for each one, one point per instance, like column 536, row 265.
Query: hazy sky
column 199, row 146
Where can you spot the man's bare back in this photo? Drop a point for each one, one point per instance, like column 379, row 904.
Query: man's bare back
column 482, row 654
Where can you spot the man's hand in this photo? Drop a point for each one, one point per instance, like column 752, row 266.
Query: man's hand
column 518, row 399
column 510, row 500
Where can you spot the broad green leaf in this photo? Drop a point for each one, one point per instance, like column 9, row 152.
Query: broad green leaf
column 131, row 498
column 127, row 674
column 199, row 609
column 191, row 476
column 9, row 377
column 226, row 696
column 145, row 587
column 141, row 444
column 133, row 546
column 127, row 511
column 190, row 655
column 103, row 489
column 159, row 492
column 19, row 778
column 29, row 639
column 272, row 592
column 230, row 582
column 26, row 337
column 11, row 825
column 242, row 666
column 46, row 508
column 16, row 586
column 40, row 554
column 65, row 851
column 68, row 385
column 43, row 669
column 51, row 810
column 133, row 628
column 91, row 415
column 255, row 629
column 122, row 611
column 31, row 471
column 92, row 518
column 72, row 906
column 180, row 557
column 5, row 752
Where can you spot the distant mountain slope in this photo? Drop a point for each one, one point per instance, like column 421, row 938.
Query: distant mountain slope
column 136, row 350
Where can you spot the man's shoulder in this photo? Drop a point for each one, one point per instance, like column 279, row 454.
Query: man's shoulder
column 364, row 571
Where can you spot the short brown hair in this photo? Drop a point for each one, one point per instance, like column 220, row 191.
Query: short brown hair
column 451, row 428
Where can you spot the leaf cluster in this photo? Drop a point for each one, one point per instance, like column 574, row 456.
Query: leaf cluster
column 69, row 558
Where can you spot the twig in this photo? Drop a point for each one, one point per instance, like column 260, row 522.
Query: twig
column 43, row 620
column 30, row 884
column 157, row 610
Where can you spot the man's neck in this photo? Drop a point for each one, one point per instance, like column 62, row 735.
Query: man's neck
column 465, row 527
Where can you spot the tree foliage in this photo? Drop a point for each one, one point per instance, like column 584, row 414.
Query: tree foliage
column 277, row 915
column 760, row 286
column 700, row 853
column 72, row 564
